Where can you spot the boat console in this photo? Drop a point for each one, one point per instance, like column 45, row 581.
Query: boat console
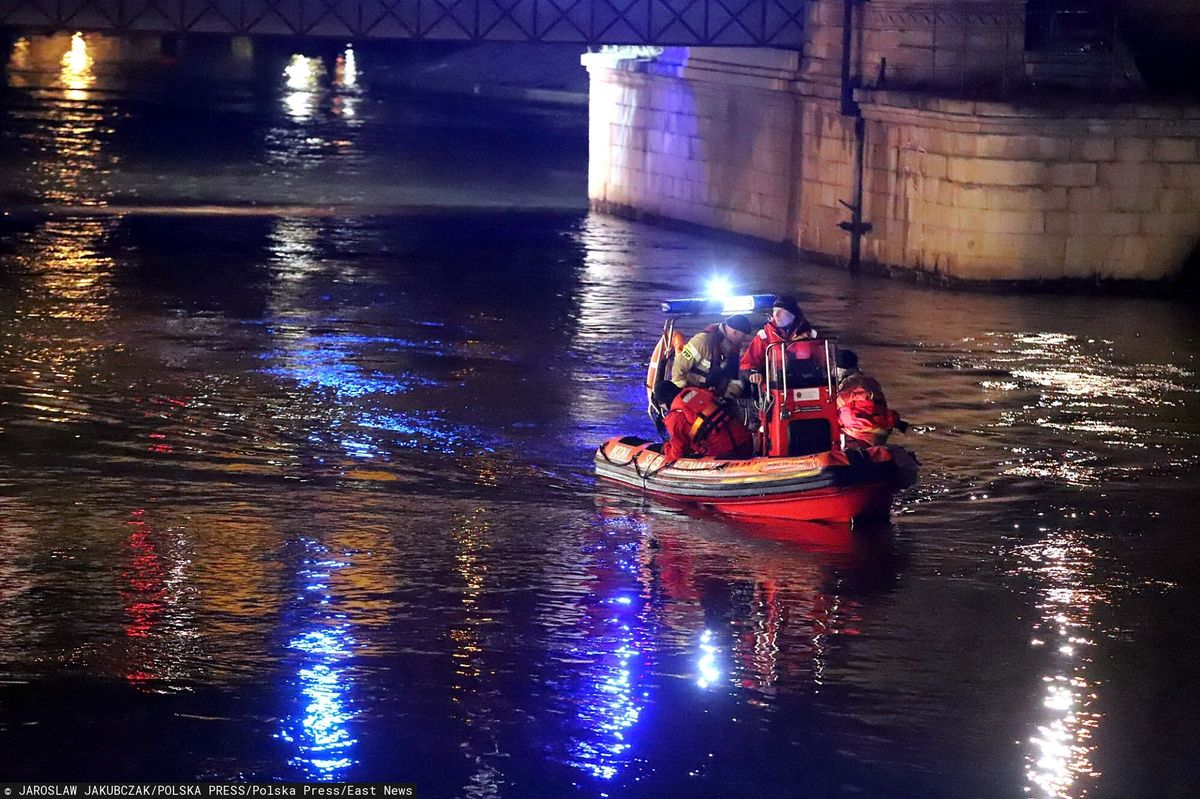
column 798, row 402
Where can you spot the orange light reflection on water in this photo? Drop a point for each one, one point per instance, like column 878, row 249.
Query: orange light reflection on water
column 71, row 166
column 471, row 534
column 77, row 73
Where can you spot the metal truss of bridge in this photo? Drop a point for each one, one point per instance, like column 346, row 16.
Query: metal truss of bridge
column 745, row 23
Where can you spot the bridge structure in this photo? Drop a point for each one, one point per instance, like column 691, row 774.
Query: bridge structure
column 959, row 140
column 740, row 23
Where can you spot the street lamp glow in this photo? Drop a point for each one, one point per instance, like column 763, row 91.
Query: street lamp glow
column 345, row 71
column 76, row 62
column 301, row 73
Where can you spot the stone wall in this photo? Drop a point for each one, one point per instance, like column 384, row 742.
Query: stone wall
column 707, row 140
column 756, row 143
column 952, row 45
column 983, row 191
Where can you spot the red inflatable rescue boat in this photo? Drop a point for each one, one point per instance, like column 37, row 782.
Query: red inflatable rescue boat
column 805, row 470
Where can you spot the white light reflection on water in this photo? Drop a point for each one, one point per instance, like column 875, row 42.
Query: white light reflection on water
column 1086, row 410
column 603, row 394
column 345, row 83
column 302, row 82
column 1069, row 369
column 708, row 665
column 1059, row 755
column 1083, row 401
column 345, row 69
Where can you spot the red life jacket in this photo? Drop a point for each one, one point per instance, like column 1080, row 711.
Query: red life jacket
column 862, row 410
column 700, row 426
column 754, row 359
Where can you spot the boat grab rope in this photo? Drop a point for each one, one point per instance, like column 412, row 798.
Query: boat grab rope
column 666, row 464
column 649, row 473
column 632, row 459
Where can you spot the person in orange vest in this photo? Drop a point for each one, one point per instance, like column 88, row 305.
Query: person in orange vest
column 698, row 425
column 862, row 408
column 787, row 324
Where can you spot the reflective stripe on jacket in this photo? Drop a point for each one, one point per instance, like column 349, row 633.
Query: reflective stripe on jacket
column 703, row 361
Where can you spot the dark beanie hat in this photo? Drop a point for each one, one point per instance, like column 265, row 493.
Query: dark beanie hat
column 665, row 392
column 788, row 304
column 739, row 323
column 847, row 359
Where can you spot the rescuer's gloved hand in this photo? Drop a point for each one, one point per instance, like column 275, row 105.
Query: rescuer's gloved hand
column 734, row 389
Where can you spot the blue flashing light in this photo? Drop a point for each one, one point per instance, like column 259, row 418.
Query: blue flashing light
column 741, row 303
column 719, row 288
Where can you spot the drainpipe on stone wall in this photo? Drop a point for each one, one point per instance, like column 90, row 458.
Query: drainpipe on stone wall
column 856, row 227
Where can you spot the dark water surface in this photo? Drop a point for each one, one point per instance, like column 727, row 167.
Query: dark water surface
column 309, row 496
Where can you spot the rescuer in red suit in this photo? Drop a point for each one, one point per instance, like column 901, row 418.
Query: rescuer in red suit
column 862, row 408
column 787, row 325
column 698, row 425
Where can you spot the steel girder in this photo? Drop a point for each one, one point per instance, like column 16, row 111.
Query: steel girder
column 763, row 23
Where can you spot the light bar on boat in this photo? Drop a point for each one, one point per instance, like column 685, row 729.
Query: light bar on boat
column 744, row 303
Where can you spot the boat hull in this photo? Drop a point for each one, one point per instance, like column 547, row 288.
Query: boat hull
column 830, row 486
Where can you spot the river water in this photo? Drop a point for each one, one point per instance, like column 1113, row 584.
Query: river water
column 296, row 428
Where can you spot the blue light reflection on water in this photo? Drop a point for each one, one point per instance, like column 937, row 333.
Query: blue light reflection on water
column 325, row 362
column 611, row 691
column 318, row 729
column 609, row 703
column 330, row 362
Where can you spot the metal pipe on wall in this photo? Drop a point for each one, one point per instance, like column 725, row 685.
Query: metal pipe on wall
column 855, row 227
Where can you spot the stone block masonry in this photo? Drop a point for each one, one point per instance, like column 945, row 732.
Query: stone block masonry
column 754, row 141
column 703, row 140
column 988, row 191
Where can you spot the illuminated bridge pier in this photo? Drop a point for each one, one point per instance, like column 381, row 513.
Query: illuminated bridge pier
column 979, row 141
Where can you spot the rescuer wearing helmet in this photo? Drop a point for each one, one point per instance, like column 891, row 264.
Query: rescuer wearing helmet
column 787, row 324
column 698, row 424
column 710, row 359
column 862, row 408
